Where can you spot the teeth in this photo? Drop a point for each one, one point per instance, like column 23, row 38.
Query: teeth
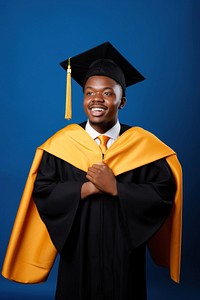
column 97, row 109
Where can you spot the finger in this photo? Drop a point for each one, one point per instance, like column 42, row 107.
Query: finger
column 95, row 169
column 89, row 177
column 92, row 180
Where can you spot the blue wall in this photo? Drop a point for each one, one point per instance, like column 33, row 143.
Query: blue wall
column 162, row 39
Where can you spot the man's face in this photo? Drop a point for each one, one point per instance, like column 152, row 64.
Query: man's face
column 102, row 99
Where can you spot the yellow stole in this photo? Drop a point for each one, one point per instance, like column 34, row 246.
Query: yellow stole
column 30, row 254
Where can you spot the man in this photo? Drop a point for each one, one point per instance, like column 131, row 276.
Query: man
column 102, row 199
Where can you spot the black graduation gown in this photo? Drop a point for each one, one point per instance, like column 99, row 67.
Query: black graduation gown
column 101, row 239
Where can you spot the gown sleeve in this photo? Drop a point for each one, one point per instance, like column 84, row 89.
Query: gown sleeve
column 56, row 194
column 145, row 200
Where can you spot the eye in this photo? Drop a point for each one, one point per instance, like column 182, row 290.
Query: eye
column 108, row 93
column 89, row 93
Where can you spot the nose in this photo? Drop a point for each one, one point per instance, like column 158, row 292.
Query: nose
column 98, row 97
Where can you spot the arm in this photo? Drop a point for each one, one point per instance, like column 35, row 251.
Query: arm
column 56, row 193
column 145, row 200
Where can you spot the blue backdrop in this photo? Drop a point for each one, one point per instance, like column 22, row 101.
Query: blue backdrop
column 162, row 39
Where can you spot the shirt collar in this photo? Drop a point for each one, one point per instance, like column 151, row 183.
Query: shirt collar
column 113, row 132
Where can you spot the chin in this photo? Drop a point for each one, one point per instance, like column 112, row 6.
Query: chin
column 96, row 122
column 101, row 125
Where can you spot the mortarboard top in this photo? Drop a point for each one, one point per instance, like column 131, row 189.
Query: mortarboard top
column 103, row 60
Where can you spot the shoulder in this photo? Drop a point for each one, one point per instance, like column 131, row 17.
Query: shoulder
column 136, row 129
column 66, row 131
column 131, row 129
column 143, row 137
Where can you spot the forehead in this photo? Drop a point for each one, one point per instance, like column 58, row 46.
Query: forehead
column 101, row 81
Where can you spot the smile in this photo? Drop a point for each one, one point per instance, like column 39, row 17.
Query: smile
column 97, row 109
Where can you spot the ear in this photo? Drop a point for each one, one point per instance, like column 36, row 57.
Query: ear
column 122, row 103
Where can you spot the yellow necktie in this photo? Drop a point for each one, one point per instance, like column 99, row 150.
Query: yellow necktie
column 103, row 142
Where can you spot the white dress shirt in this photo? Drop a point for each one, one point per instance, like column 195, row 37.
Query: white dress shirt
column 113, row 133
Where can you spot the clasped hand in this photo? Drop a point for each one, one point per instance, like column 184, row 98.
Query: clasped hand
column 103, row 179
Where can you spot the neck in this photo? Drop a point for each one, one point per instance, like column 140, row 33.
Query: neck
column 102, row 127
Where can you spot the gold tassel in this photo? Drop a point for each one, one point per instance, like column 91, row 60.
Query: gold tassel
column 68, row 109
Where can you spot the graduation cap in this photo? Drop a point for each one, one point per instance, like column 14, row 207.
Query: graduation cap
column 102, row 60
